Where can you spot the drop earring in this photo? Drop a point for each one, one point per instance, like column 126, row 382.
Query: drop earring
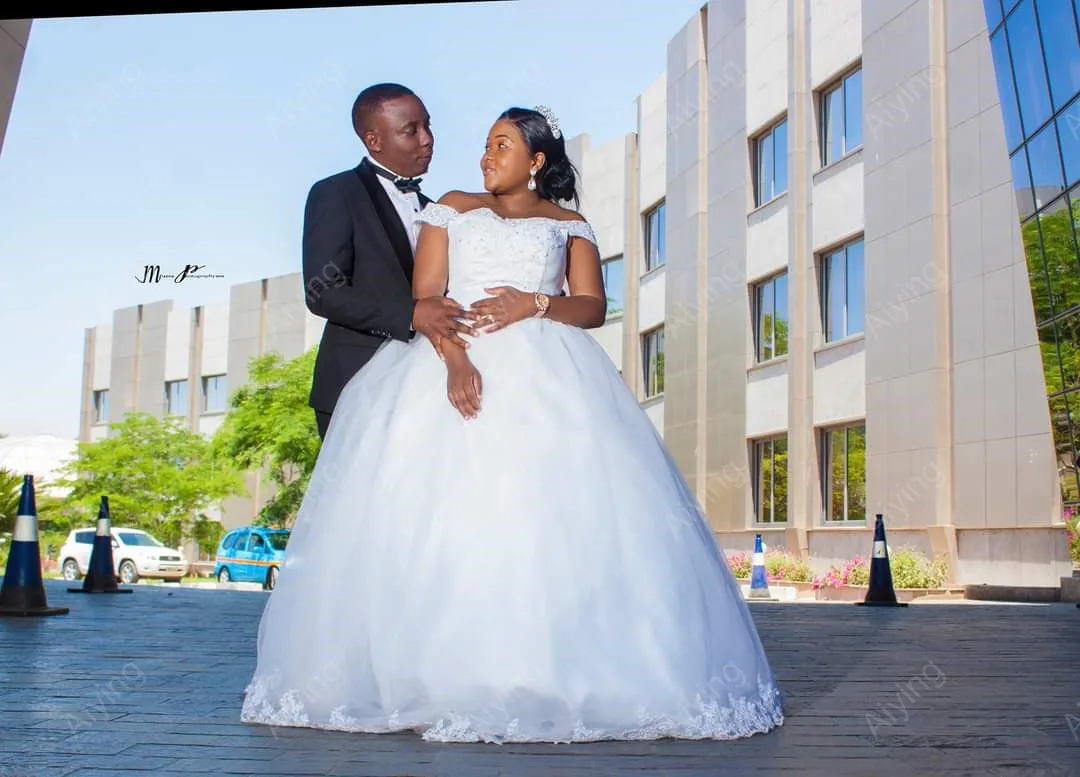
column 532, row 180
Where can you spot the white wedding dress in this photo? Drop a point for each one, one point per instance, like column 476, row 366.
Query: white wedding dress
column 541, row 573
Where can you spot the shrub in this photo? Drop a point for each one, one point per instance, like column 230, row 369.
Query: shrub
column 910, row 569
column 1072, row 533
column 780, row 567
column 854, row 572
column 740, row 565
column 785, row 567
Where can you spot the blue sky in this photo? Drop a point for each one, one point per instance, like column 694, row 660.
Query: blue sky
column 194, row 138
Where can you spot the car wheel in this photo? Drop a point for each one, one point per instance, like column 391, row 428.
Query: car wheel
column 223, row 575
column 71, row 569
column 128, row 573
column 271, row 579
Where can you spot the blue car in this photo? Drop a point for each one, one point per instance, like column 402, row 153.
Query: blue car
column 252, row 554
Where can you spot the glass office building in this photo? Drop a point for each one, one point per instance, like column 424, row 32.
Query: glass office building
column 1036, row 54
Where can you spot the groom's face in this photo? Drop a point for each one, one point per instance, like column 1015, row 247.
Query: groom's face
column 400, row 137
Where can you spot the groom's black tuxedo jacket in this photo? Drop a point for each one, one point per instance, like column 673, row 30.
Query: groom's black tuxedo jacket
column 357, row 275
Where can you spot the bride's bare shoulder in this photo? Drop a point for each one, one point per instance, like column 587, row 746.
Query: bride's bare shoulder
column 563, row 214
column 463, row 202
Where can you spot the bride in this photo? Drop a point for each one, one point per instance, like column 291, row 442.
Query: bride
column 495, row 544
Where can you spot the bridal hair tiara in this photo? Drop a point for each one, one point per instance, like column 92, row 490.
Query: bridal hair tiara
column 552, row 121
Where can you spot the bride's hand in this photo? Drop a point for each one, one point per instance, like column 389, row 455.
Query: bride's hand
column 463, row 386
column 506, row 307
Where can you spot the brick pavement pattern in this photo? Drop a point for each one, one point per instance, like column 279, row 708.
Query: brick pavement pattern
column 151, row 683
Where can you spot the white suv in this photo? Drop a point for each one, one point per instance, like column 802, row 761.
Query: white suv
column 135, row 554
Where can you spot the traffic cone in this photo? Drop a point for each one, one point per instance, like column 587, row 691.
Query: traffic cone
column 881, row 592
column 23, row 591
column 101, row 576
column 759, row 584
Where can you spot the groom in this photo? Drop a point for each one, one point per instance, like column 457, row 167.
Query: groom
column 358, row 244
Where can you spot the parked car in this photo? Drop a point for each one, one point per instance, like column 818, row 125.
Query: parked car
column 252, row 554
column 136, row 554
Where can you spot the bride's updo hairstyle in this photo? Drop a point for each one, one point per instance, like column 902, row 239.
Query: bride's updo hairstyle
column 557, row 179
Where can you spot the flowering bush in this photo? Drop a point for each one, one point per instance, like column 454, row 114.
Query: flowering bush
column 780, row 566
column 910, row 569
column 740, row 564
column 786, row 568
column 855, row 572
column 1072, row 532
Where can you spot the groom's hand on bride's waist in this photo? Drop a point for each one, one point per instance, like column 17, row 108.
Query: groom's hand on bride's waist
column 437, row 319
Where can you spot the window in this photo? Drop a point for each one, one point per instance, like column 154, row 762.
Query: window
column 770, row 164
column 1010, row 109
column 176, row 397
column 278, row 538
column 101, row 406
column 770, row 480
column 139, row 539
column 771, row 318
column 614, row 284
column 1061, row 49
column 1068, row 126
column 841, row 118
column 1029, row 68
column 843, row 292
column 844, row 473
column 85, row 537
column 215, row 398
column 655, row 238
column 652, row 347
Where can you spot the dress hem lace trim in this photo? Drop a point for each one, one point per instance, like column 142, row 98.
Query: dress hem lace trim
column 741, row 718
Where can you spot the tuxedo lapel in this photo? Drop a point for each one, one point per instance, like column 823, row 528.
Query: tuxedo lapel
column 389, row 218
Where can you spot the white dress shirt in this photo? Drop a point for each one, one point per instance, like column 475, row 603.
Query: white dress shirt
column 407, row 204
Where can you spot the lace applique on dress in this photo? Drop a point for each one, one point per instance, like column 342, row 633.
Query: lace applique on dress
column 437, row 215
column 739, row 717
column 580, row 229
column 488, row 250
column 440, row 215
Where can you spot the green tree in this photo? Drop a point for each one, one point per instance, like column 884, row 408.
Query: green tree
column 10, row 492
column 207, row 534
column 159, row 476
column 271, row 426
column 1054, row 276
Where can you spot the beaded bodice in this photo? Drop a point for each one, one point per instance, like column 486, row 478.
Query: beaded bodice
column 488, row 250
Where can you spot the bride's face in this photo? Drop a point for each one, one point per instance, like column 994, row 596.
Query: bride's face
column 506, row 161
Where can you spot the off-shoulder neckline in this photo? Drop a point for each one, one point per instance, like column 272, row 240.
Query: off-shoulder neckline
column 500, row 217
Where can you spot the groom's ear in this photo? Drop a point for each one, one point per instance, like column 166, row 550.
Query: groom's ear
column 371, row 139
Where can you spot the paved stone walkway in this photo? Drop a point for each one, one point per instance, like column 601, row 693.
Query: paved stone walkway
column 150, row 683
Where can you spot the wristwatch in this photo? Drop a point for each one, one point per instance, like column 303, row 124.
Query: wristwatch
column 543, row 301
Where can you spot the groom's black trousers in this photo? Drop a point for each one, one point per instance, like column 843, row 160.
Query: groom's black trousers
column 323, row 421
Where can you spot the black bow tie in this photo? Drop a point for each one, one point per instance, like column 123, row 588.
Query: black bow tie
column 403, row 184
